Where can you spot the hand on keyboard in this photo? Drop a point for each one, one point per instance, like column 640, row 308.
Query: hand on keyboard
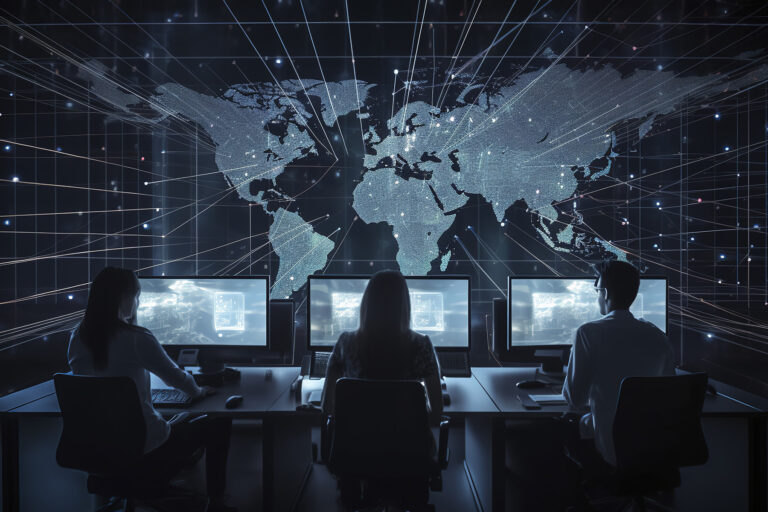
column 207, row 391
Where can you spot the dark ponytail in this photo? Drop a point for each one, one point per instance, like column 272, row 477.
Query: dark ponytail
column 101, row 320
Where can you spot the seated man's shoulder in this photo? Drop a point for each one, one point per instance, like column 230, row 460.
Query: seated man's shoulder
column 592, row 327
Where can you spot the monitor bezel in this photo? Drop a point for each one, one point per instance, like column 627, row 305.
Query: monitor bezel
column 521, row 349
column 463, row 277
column 238, row 352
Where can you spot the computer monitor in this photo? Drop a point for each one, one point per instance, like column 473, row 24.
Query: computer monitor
column 195, row 312
column 544, row 312
column 440, row 308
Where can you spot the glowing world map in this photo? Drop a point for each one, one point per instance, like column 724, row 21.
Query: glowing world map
column 529, row 139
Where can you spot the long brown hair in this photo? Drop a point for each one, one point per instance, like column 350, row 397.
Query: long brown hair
column 385, row 321
column 101, row 320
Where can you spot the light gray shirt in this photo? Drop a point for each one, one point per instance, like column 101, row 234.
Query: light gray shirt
column 604, row 352
column 134, row 352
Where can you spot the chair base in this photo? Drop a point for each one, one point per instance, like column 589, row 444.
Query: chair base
column 398, row 493
column 635, row 503
column 174, row 499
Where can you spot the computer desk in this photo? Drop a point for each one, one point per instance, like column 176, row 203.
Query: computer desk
column 287, row 442
column 487, row 434
column 484, row 402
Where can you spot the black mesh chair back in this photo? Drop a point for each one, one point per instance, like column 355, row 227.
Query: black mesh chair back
column 658, row 423
column 381, row 430
column 104, row 429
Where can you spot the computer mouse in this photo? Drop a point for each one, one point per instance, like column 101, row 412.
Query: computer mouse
column 233, row 402
column 268, row 375
column 531, row 384
column 446, row 399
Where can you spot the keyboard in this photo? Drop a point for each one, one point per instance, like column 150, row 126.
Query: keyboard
column 170, row 398
column 454, row 364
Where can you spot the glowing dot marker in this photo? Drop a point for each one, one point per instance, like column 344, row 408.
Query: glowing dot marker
column 717, row 116
column 397, row 71
column 278, row 61
column 15, row 179
column 70, row 296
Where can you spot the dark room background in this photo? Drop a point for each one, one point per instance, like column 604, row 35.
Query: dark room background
column 435, row 136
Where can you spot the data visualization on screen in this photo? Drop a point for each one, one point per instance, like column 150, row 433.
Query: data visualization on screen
column 547, row 311
column 439, row 308
column 205, row 311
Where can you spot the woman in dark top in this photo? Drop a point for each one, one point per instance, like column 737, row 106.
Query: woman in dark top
column 108, row 343
column 384, row 346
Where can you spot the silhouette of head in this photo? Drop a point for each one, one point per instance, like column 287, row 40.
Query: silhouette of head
column 617, row 283
column 386, row 305
column 112, row 301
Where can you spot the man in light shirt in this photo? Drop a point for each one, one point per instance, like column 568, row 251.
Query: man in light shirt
column 607, row 350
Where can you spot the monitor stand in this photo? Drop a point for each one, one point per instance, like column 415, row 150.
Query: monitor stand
column 551, row 362
column 209, row 373
column 552, row 368
column 550, row 372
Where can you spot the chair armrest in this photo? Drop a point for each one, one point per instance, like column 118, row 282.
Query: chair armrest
column 571, row 417
column 198, row 418
column 326, row 435
column 443, row 453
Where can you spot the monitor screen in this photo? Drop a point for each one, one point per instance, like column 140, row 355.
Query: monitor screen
column 439, row 308
column 547, row 311
column 205, row 311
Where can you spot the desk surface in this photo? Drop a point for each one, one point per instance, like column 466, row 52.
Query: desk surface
column 467, row 397
column 490, row 391
column 500, row 384
column 259, row 395
column 25, row 396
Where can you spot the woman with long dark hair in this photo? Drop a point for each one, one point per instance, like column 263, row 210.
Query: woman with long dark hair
column 109, row 343
column 384, row 346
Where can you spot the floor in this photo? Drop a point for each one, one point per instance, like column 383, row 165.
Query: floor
column 244, row 475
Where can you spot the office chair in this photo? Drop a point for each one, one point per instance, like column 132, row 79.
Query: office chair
column 656, row 431
column 381, row 445
column 103, row 434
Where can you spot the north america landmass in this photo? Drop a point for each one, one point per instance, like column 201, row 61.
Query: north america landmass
column 533, row 139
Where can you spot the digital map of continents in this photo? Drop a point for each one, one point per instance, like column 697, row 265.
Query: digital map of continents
column 524, row 138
